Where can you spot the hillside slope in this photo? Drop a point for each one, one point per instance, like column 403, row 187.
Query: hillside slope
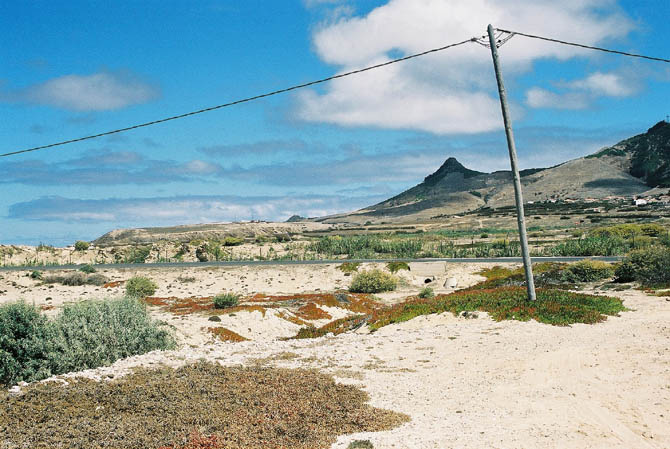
column 629, row 168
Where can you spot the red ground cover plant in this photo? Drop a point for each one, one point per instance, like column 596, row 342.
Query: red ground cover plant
column 226, row 334
column 199, row 441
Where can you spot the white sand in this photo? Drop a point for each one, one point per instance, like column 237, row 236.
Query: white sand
column 466, row 383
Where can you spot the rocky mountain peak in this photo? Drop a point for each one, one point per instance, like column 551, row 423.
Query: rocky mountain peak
column 451, row 165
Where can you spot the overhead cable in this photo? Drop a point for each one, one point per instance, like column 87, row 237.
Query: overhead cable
column 244, row 100
column 590, row 47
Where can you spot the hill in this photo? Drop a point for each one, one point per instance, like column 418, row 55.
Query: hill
column 626, row 169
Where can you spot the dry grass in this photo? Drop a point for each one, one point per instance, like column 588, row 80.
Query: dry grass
column 228, row 407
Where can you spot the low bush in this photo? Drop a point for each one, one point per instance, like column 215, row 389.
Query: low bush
column 232, row 241
column 588, row 271
column 225, row 300
column 24, row 344
column 37, row 275
column 140, row 287
column 395, row 266
column 650, row 267
column 88, row 269
column 426, row 293
column 84, row 335
column 81, row 245
column 76, row 278
column 373, row 281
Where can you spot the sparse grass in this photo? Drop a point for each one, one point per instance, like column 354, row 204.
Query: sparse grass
column 140, row 287
column 373, row 281
column 250, row 408
column 226, row 300
column 83, row 335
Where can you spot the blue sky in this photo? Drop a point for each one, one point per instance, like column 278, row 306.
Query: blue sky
column 77, row 68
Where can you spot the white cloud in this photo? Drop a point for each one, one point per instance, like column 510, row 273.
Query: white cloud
column 184, row 209
column 96, row 92
column 580, row 94
column 542, row 98
column 609, row 84
column 452, row 91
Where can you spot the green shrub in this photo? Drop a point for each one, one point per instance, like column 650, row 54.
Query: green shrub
column 96, row 333
column 394, row 267
column 648, row 266
column 83, row 335
column 88, row 269
column 138, row 255
column 588, row 271
column 225, row 300
column 76, row 278
column 24, row 346
column 81, row 245
column 140, row 287
column 426, row 293
column 373, row 281
column 232, row 241
column 483, row 236
column 36, row 275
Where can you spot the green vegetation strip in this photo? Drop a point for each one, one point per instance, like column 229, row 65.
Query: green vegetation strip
column 243, row 407
column 557, row 307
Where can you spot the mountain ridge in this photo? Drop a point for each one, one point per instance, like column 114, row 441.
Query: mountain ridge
column 626, row 169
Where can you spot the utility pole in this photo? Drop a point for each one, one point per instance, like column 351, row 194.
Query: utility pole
column 521, row 220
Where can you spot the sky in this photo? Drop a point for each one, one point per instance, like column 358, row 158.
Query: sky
column 76, row 68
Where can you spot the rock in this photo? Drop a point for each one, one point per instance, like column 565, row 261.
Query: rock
column 468, row 315
column 451, row 283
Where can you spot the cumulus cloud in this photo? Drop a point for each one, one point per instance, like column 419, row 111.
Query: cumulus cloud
column 582, row 93
column 449, row 92
column 609, row 84
column 537, row 97
column 96, row 92
column 184, row 209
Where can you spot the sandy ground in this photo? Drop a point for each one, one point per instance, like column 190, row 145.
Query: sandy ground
column 466, row 383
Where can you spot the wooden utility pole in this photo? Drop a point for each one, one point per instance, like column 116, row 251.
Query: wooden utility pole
column 521, row 220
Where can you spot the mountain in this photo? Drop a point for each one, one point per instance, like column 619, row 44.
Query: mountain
column 631, row 167
column 645, row 156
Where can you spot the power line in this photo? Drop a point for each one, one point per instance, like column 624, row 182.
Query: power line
column 574, row 44
column 244, row 100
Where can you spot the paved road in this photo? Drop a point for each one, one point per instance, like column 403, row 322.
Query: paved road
column 308, row 262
